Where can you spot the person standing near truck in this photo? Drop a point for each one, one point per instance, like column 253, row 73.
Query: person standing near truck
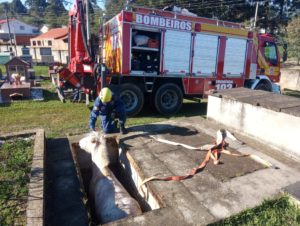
column 110, row 107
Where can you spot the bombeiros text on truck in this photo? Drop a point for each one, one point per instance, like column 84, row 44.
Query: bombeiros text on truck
column 165, row 56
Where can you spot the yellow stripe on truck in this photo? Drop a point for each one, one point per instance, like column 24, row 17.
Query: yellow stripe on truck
column 224, row 30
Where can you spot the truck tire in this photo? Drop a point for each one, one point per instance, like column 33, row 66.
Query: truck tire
column 263, row 86
column 133, row 98
column 168, row 99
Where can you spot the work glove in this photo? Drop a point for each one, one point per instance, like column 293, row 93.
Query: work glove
column 113, row 116
column 122, row 129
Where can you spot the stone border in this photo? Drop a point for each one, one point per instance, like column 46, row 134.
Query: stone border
column 35, row 203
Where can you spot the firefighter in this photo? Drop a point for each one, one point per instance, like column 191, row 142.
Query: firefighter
column 109, row 107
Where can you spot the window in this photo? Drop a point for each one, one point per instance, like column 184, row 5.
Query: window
column 45, row 51
column 177, row 52
column 39, row 43
column 35, row 31
column 21, row 70
column 22, row 28
column 235, row 56
column 34, row 43
column 270, row 53
column 205, row 54
column 12, row 69
column 49, row 43
column 25, row 51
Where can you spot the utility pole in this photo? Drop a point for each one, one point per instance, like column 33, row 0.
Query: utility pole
column 7, row 20
column 127, row 5
column 15, row 42
column 255, row 17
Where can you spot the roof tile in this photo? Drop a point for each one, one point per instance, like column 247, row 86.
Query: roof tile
column 55, row 33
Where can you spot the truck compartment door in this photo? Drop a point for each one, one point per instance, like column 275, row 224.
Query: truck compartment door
column 177, row 52
column 235, row 55
column 205, row 55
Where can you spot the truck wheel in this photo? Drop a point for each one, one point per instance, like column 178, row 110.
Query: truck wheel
column 133, row 98
column 168, row 99
column 263, row 86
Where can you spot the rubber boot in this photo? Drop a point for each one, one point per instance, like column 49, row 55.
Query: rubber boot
column 122, row 129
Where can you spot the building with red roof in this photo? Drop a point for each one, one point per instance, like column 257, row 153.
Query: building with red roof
column 51, row 46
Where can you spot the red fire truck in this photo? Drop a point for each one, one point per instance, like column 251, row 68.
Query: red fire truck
column 164, row 56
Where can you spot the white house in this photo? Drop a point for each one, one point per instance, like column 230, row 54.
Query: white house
column 18, row 43
column 17, row 27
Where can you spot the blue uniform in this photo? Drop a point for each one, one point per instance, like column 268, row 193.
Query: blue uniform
column 105, row 111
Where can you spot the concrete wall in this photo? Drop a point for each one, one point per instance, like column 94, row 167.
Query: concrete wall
column 278, row 129
column 290, row 79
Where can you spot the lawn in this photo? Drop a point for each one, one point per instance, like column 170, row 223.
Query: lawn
column 39, row 70
column 61, row 119
column 276, row 212
column 293, row 93
column 15, row 162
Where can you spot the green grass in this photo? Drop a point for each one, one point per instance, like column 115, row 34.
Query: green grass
column 2, row 68
column 15, row 162
column 293, row 93
column 56, row 118
column 276, row 212
column 61, row 119
column 41, row 70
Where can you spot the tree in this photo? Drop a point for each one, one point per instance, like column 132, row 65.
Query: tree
column 36, row 7
column 55, row 13
column 293, row 38
column 113, row 7
column 16, row 6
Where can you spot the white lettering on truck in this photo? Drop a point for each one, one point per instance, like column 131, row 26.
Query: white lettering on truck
column 163, row 22
column 154, row 21
column 224, row 84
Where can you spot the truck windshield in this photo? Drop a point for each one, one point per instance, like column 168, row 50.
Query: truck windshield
column 270, row 52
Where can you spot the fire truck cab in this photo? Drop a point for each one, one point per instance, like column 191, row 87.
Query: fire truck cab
column 167, row 56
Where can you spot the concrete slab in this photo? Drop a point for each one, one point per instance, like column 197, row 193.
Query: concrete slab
column 238, row 93
column 257, row 121
column 276, row 102
column 215, row 193
column 292, row 111
column 294, row 190
column 8, row 89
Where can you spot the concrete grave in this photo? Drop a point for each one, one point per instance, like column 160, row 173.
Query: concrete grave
column 270, row 118
column 212, row 194
column 35, row 204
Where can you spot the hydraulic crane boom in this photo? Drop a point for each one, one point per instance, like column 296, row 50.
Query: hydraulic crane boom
column 81, row 59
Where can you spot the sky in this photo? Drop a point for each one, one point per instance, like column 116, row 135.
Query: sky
column 100, row 3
